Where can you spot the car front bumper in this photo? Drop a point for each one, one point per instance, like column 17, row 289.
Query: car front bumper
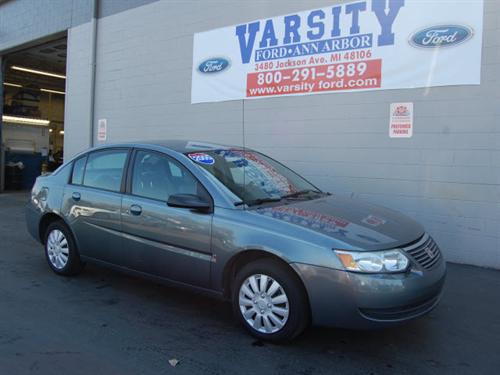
column 354, row 300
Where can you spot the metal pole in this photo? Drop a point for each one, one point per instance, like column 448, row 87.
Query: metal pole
column 95, row 11
column 244, row 142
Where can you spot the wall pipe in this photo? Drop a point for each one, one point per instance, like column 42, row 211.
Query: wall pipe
column 93, row 58
column 2, row 150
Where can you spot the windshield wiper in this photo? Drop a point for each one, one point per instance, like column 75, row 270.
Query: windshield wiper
column 299, row 193
column 258, row 201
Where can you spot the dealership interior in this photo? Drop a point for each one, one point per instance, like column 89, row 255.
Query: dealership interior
column 33, row 112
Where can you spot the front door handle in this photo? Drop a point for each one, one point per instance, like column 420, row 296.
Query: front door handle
column 135, row 209
column 76, row 196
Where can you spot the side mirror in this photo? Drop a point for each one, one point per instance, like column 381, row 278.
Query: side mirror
column 192, row 201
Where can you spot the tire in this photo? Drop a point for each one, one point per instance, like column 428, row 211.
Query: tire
column 274, row 324
column 60, row 250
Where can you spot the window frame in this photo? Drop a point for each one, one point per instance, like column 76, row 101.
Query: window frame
column 106, row 149
column 84, row 156
column 130, row 175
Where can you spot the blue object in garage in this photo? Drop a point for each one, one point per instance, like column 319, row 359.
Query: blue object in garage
column 32, row 166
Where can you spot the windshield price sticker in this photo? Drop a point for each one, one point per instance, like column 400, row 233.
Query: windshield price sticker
column 202, row 158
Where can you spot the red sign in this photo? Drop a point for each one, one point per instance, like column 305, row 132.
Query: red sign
column 319, row 78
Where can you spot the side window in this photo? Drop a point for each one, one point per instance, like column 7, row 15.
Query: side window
column 104, row 169
column 158, row 176
column 78, row 169
column 175, row 171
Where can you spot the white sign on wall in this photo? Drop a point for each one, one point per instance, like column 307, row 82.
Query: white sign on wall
column 356, row 46
column 401, row 123
column 102, row 130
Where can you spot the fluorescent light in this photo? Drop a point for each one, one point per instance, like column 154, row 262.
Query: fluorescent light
column 44, row 90
column 12, row 84
column 35, row 71
column 53, row 91
column 25, row 120
column 61, row 132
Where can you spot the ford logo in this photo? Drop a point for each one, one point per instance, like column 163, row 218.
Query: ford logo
column 213, row 65
column 441, row 36
column 429, row 252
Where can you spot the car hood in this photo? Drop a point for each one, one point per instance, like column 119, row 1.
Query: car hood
column 352, row 223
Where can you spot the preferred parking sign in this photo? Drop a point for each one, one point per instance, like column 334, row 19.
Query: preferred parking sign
column 401, row 124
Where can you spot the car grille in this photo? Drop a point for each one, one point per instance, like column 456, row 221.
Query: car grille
column 425, row 252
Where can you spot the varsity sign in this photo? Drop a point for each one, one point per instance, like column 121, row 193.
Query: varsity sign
column 356, row 46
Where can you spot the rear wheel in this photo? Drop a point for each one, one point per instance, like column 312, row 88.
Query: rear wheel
column 270, row 301
column 60, row 250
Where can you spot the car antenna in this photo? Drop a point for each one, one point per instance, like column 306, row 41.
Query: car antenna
column 244, row 148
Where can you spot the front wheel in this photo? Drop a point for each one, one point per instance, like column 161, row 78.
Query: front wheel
column 270, row 300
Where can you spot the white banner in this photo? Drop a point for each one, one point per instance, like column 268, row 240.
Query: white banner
column 356, row 46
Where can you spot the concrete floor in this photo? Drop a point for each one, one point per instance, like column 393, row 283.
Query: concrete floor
column 104, row 322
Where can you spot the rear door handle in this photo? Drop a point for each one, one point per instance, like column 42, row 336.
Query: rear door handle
column 135, row 209
column 76, row 196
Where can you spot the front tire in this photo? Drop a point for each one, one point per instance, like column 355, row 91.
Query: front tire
column 270, row 301
column 60, row 250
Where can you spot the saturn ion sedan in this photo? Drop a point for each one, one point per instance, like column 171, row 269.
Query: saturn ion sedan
column 239, row 224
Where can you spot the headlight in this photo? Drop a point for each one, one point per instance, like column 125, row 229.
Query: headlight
column 389, row 261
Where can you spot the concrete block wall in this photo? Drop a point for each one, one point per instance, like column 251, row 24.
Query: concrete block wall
column 77, row 109
column 447, row 176
column 24, row 21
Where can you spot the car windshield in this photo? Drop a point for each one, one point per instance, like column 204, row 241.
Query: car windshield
column 254, row 177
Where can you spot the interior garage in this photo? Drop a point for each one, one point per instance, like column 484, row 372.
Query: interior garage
column 33, row 112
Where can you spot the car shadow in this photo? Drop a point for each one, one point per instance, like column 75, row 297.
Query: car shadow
column 218, row 312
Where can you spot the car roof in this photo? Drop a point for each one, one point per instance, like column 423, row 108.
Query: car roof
column 178, row 145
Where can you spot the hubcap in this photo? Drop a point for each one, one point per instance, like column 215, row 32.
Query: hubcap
column 263, row 303
column 57, row 249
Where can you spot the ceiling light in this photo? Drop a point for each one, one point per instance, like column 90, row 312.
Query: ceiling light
column 12, row 84
column 61, row 132
column 51, row 130
column 25, row 120
column 53, row 91
column 41, row 72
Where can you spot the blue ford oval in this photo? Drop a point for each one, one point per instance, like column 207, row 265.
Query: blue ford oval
column 441, row 36
column 213, row 65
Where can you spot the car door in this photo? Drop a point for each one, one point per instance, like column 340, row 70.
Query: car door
column 92, row 203
column 169, row 242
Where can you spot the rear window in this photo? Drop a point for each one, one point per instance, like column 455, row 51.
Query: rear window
column 104, row 169
column 78, row 169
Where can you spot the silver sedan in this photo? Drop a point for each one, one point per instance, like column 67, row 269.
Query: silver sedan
column 241, row 226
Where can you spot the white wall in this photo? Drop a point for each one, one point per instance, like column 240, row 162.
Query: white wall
column 77, row 117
